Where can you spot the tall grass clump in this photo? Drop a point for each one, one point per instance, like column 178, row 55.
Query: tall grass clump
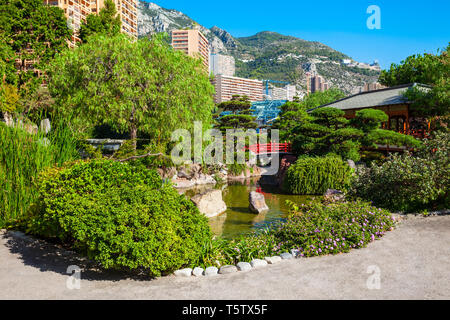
column 315, row 175
column 22, row 157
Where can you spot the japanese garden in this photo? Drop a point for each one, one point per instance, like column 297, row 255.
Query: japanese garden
column 346, row 169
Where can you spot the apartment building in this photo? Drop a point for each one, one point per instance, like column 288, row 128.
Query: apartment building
column 222, row 64
column 193, row 43
column 371, row 87
column 76, row 12
column 315, row 83
column 128, row 14
column 286, row 93
column 227, row 86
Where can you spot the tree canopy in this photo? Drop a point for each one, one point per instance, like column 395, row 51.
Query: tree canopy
column 134, row 86
column 30, row 30
column 106, row 22
column 430, row 69
column 327, row 131
column 240, row 116
column 294, row 113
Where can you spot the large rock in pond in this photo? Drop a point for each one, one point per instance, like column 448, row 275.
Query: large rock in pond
column 210, row 203
column 257, row 202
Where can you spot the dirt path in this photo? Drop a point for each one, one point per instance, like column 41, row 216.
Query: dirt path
column 413, row 261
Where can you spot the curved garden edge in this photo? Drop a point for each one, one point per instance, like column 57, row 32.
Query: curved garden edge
column 239, row 268
column 286, row 256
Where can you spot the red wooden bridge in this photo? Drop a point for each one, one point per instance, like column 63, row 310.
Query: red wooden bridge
column 268, row 148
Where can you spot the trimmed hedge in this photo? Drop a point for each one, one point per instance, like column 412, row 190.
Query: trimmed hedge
column 122, row 216
column 315, row 175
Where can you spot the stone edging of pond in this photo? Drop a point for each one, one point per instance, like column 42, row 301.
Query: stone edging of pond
column 241, row 266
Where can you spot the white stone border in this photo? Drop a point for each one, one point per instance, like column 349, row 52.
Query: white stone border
column 258, row 263
column 240, row 267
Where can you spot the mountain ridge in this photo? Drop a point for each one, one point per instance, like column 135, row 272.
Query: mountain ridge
column 265, row 55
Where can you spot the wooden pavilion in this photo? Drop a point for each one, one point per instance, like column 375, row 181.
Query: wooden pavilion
column 393, row 103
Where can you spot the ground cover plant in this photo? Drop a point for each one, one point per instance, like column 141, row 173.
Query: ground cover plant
column 122, row 216
column 319, row 228
column 315, row 229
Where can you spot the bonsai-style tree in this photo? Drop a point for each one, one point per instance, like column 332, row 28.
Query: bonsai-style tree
column 330, row 132
column 294, row 113
column 240, row 116
column 133, row 86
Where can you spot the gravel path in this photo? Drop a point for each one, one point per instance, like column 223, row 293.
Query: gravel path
column 413, row 261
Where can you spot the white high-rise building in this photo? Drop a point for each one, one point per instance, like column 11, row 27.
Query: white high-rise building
column 286, row 93
column 222, row 64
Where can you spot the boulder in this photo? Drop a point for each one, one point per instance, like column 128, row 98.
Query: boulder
column 8, row 119
column 203, row 179
column 183, row 174
column 286, row 256
column 183, row 273
column 195, row 168
column 285, row 162
column 197, row 272
column 183, row 184
column 258, row 263
column 351, row 164
column 210, row 203
column 257, row 202
column 244, row 266
column 334, row 195
column 211, row 271
column 273, row 260
column 296, row 253
column 228, row 269
column 31, row 128
column 167, row 173
column 256, row 171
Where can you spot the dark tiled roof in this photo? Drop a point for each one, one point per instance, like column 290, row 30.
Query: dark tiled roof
column 376, row 98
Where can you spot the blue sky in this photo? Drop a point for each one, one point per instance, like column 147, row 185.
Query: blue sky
column 407, row 27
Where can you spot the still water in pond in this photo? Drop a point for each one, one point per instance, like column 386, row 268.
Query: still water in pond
column 238, row 219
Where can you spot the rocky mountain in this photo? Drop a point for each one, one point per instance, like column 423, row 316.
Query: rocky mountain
column 266, row 55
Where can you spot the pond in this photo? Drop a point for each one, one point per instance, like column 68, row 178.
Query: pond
column 238, row 219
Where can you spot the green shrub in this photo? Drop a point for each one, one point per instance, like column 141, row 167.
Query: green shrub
column 318, row 228
column 409, row 182
column 120, row 215
column 314, row 175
